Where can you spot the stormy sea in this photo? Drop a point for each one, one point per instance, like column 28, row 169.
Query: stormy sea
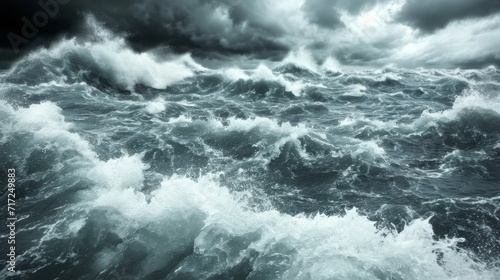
column 133, row 165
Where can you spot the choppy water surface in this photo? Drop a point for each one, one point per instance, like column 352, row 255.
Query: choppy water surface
column 135, row 167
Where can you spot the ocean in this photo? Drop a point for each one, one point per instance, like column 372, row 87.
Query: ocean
column 133, row 166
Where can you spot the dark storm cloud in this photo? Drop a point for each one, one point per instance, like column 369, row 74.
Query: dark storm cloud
column 430, row 15
column 327, row 13
column 211, row 25
column 357, row 6
column 221, row 26
column 481, row 62
column 13, row 16
column 207, row 26
column 269, row 29
column 323, row 13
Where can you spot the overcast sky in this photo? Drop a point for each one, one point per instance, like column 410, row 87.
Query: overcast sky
column 411, row 33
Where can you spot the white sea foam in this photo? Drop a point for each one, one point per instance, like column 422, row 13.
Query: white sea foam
column 111, row 55
column 291, row 246
column 119, row 174
column 235, row 74
column 262, row 72
column 269, row 125
column 128, row 68
column 180, row 119
column 347, row 121
column 274, row 135
column 356, row 90
column 156, row 106
column 470, row 100
column 351, row 121
column 46, row 122
column 369, row 149
column 302, row 58
column 332, row 65
column 321, row 246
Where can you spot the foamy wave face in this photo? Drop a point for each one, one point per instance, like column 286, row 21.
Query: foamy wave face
column 235, row 74
column 332, row 65
column 275, row 245
column 128, row 69
column 223, row 175
column 47, row 125
column 110, row 56
column 260, row 139
column 471, row 100
column 155, row 106
column 264, row 73
column 301, row 58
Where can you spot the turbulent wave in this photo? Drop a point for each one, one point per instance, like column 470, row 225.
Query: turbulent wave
column 104, row 60
column 148, row 167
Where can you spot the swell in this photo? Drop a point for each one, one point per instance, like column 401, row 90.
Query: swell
column 291, row 171
column 191, row 216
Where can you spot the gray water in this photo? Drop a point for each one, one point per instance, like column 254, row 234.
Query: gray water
column 135, row 167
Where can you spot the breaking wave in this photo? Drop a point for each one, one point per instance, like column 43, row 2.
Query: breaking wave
column 291, row 170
